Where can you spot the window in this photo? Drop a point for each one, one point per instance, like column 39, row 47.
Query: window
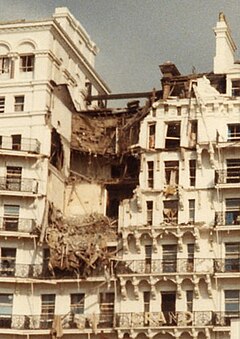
column 4, row 65
column 148, row 258
column 192, row 172
column 189, row 297
column 150, row 166
column 19, row 103
column 152, row 135
column 190, row 257
column 16, row 141
column 191, row 210
column 232, row 302
column 232, row 257
column 106, row 309
column 77, row 303
column 6, row 304
column 146, row 301
column 149, row 212
column 232, row 214
column 8, row 258
column 2, row 104
column 48, row 309
column 27, row 63
column 169, row 258
column 234, row 132
column 171, row 172
column 235, row 88
column 233, row 170
column 11, row 217
column 173, row 135
column 170, row 211
column 192, row 133
column 13, row 180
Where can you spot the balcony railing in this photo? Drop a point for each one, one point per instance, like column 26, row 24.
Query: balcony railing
column 15, row 224
column 227, row 265
column 165, row 266
column 25, row 145
column 9, row 268
column 134, row 320
column 227, row 176
column 18, row 185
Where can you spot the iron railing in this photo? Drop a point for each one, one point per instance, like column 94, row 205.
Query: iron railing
column 134, row 320
column 165, row 266
column 26, row 145
column 15, row 224
column 18, row 184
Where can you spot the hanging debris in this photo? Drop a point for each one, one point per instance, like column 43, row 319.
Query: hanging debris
column 79, row 244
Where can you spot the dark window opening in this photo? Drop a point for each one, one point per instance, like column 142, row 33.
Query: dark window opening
column 57, row 154
column 149, row 212
column 233, row 170
column 2, row 104
column 19, row 103
column 4, row 65
column 169, row 258
column 235, row 88
column 193, row 130
column 13, row 179
column 232, row 257
column 11, row 217
column 146, row 300
column 150, row 168
column 232, row 214
column 192, row 172
column 234, row 132
column 16, row 142
column 7, row 264
column 169, row 306
column 116, row 193
column 27, row 63
column 173, row 135
column 6, row 304
column 189, row 297
column 151, row 138
column 148, row 258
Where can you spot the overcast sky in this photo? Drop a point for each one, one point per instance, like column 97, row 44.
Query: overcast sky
column 136, row 36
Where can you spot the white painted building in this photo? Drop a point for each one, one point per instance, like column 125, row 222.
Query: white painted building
column 177, row 271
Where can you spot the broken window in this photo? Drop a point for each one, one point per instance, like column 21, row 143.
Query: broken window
column 4, row 65
column 106, row 309
column 27, row 63
column 168, row 306
column 233, row 170
column 57, row 155
column 150, row 168
column 48, row 309
column 173, row 135
column 11, row 217
column 233, row 132
column 191, row 210
column 171, row 172
column 77, row 303
column 232, row 214
column 236, row 88
column 192, row 133
column 170, row 211
column 13, row 179
column 192, row 172
column 169, row 258
column 19, row 103
column 2, row 104
column 8, row 258
column 232, row 257
column 151, row 135
column 16, row 141
column 149, row 212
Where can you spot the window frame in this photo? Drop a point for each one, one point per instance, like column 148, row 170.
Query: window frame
column 26, row 63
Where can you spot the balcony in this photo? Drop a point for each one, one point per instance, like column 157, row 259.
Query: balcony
column 15, row 224
column 227, row 265
column 12, row 184
column 9, row 268
column 24, row 145
column 184, row 266
column 227, row 178
column 227, row 218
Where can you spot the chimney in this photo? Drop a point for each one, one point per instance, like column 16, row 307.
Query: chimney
column 169, row 70
column 225, row 46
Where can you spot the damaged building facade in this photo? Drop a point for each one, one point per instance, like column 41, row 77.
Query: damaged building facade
column 116, row 223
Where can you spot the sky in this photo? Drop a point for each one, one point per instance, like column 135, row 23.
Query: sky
column 136, row 36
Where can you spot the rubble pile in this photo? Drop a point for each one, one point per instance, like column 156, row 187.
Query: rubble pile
column 79, row 244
